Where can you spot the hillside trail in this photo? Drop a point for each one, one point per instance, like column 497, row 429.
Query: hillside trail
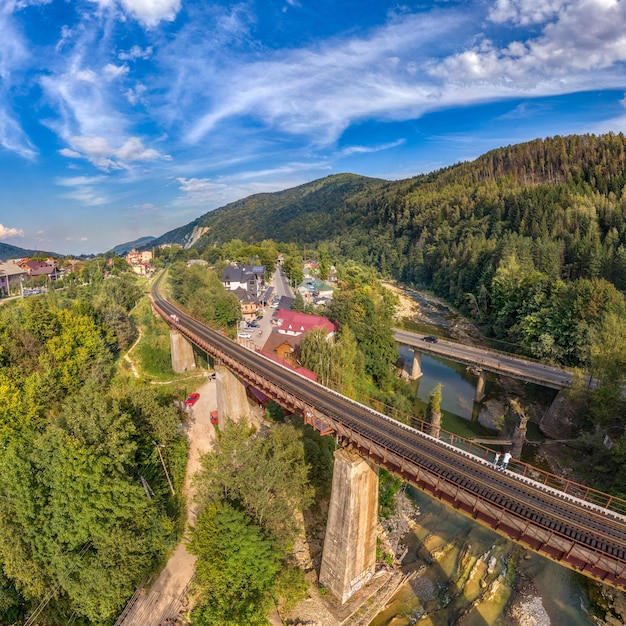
column 166, row 596
column 131, row 363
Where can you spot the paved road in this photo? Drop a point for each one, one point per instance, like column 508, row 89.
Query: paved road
column 502, row 363
column 281, row 283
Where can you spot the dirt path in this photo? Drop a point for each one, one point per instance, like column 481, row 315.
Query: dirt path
column 131, row 363
column 166, row 596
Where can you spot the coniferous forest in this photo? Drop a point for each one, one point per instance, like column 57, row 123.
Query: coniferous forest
column 528, row 240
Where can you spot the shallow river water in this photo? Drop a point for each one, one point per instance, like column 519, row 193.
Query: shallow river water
column 469, row 575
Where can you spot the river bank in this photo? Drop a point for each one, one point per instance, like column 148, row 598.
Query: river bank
column 449, row 569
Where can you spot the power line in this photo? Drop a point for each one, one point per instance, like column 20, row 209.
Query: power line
column 44, row 603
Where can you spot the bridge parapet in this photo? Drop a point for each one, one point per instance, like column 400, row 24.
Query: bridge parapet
column 581, row 528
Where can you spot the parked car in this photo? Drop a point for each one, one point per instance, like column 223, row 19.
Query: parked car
column 253, row 325
column 192, row 399
column 214, row 419
column 244, row 334
column 430, row 339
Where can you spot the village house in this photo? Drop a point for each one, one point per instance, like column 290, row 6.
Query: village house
column 290, row 329
column 140, row 261
column 11, row 276
column 134, row 257
column 294, row 323
column 251, row 278
column 40, row 268
column 247, row 282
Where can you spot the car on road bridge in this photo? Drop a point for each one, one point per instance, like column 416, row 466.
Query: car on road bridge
column 192, row 399
column 430, row 339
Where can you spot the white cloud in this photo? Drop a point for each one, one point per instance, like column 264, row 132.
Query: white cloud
column 526, row 12
column 84, row 189
column 112, row 71
column 99, row 151
column 134, row 150
column 566, row 57
column 135, row 95
column 70, row 154
column 376, row 148
column 321, row 90
column 7, row 233
column 14, row 56
column 392, row 73
column 12, row 137
column 135, row 52
column 78, row 181
column 211, row 193
column 148, row 12
column 89, row 122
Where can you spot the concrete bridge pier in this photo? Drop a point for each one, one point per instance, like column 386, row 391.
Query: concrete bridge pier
column 480, row 386
column 232, row 401
column 349, row 555
column 181, row 350
column 416, row 365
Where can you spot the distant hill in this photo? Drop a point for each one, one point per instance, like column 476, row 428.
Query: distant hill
column 124, row 248
column 8, row 251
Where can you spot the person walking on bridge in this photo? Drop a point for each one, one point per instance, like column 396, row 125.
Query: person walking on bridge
column 496, row 458
column 505, row 460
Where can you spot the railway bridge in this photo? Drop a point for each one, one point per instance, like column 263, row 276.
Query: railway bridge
column 580, row 528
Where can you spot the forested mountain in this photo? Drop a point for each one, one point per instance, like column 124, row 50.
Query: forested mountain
column 302, row 214
column 124, row 248
column 529, row 239
column 8, row 251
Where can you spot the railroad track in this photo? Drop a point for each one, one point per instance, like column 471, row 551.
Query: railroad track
column 577, row 533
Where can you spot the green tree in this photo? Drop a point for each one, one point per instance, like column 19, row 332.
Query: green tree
column 266, row 475
column 235, row 570
column 298, row 303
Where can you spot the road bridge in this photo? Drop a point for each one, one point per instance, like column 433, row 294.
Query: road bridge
column 579, row 527
column 483, row 360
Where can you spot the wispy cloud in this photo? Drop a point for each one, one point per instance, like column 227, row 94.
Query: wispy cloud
column 375, row 148
column 391, row 74
column 84, row 189
column 136, row 52
column 90, row 120
column 13, row 59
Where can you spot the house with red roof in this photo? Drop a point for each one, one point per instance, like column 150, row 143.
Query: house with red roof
column 40, row 268
column 295, row 323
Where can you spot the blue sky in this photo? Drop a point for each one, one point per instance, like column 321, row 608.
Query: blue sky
column 125, row 118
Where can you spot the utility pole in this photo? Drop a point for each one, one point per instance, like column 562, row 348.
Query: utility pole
column 169, row 482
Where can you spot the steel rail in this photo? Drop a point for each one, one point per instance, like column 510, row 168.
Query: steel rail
column 582, row 535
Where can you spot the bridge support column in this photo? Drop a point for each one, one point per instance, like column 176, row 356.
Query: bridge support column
column 480, row 386
column 416, row 365
column 232, row 402
column 349, row 555
column 182, row 353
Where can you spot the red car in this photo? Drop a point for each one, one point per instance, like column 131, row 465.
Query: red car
column 214, row 418
column 192, row 399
